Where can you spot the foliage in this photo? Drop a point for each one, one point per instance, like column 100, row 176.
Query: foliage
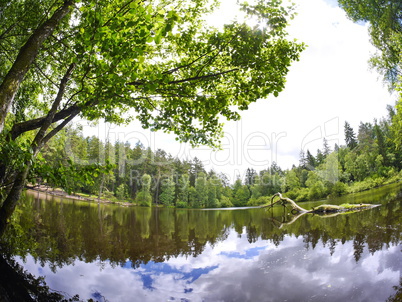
column 259, row 201
column 350, row 137
column 157, row 57
column 154, row 61
column 122, row 191
column 372, row 162
column 385, row 30
column 144, row 197
column 167, row 194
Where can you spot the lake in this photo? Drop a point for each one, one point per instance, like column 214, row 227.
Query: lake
column 114, row 253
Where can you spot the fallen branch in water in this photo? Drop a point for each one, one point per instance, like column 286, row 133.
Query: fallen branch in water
column 322, row 209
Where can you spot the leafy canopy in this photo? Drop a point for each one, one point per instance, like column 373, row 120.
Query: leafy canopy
column 385, row 19
column 155, row 61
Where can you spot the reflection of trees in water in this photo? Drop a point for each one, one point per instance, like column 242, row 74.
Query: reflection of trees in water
column 60, row 232
column 19, row 285
column 397, row 297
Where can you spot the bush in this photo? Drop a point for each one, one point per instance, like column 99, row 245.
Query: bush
column 225, row 202
column 260, row 201
column 317, row 191
column 339, row 189
column 366, row 184
column 122, row 191
column 181, row 204
column 144, row 199
column 299, row 194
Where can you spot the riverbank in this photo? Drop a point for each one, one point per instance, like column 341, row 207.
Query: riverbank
column 62, row 194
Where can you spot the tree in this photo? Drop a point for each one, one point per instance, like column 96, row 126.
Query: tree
column 212, row 201
column 311, row 163
column 106, row 59
column 302, row 160
column 315, row 185
column 385, row 29
column 396, row 127
column 250, row 175
column 144, row 197
column 269, row 183
column 256, row 188
column 327, row 149
column 320, row 157
column 241, row 194
column 167, row 192
column 350, row 136
column 329, row 170
column 291, row 181
column 183, row 190
column 201, row 190
column 122, row 191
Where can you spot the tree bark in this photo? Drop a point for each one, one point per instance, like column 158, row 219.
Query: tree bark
column 23, row 127
column 25, row 58
column 13, row 196
column 288, row 200
column 8, row 207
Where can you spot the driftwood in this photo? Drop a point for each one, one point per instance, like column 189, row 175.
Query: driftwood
column 322, row 209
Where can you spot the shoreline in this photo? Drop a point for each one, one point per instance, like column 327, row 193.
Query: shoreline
column 62, row 194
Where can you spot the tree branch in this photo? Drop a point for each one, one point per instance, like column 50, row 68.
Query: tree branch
column 25, row 58
column 37, row 142
column 57, row 129
column 23, row 127
column 139, row 83
column 203, row 77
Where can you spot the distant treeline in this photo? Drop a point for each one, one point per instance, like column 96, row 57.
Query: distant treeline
column 140, row 175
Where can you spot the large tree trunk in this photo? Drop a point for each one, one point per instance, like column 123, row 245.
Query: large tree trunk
column 26, row 56
column 13, row 196
column 41, row 138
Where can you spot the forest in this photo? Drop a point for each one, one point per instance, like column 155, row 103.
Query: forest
column 161, row 64
column 136, row 174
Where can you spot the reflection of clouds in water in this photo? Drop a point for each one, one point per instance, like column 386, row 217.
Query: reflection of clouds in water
column 235, row 270
column 294, row 274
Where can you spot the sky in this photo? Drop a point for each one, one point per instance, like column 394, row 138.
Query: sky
column 332, row 83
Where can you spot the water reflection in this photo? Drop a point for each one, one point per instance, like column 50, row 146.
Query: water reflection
column 131, row 254
column 235, row 270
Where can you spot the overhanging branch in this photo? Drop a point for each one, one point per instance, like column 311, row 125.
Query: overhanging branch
column 23, row 127
column 196, row 78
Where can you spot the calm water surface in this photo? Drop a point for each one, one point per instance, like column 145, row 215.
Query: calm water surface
column 112, row 253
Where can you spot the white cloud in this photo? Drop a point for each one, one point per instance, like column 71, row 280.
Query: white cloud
column 330, row 84
column 236, row 270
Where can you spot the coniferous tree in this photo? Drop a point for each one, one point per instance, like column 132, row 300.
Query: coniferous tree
column 327, row 149
column 320, row 157
column 350, row 136
column 311, row 162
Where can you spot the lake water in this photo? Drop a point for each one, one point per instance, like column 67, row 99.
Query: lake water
column 117, row 254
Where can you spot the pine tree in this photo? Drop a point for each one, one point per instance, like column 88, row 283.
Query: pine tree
column 350, row 136
column 311, row 162
column 327, row 149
